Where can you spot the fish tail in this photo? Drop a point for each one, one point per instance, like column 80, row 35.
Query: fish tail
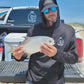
column 28, row 55
column 11, row 49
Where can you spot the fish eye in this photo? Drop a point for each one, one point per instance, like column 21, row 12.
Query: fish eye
column 50, row 41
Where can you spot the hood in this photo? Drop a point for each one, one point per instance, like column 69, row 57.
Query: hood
column 42, row 7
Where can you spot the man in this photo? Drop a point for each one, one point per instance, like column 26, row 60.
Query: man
column 47, row 66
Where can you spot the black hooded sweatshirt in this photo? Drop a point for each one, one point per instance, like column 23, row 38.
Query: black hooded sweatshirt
column 51, row 69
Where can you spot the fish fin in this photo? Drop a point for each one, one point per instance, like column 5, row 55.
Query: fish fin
column 28, row 55
column 11, row 49
column 26, row 37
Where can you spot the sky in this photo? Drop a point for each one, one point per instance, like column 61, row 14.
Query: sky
column 71, row 11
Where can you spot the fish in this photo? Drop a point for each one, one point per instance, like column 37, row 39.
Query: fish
column 32, row 44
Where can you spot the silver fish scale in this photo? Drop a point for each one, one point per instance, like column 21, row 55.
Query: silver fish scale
column 32, row 44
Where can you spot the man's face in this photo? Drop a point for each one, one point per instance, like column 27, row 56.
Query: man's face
column 51, row 15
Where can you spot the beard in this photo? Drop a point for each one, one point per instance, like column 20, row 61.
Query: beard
column 52, row 20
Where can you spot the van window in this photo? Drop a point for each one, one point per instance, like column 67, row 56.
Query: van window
column 26, row 17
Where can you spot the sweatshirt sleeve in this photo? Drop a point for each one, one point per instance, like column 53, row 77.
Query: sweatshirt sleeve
column 71, row 55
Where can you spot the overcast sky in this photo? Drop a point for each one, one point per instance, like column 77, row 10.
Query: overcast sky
column 70, row 10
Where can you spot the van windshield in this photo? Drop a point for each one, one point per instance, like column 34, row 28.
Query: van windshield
column 25, row 17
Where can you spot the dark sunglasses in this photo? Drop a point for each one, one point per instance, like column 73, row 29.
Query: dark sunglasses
column 53, row 9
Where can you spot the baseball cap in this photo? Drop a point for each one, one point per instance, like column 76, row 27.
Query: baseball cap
column 48, row 4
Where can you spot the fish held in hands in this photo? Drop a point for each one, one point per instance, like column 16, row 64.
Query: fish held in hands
column 32, row 44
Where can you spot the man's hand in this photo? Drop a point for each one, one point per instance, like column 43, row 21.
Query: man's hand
column 18, row 53
column 48, row 49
